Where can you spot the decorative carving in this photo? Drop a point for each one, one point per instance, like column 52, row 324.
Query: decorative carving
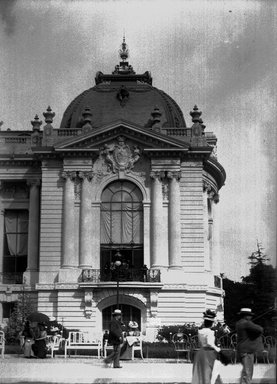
column 123, row 95
column 154, row 303
column 33, row 182
column 88, row 304
column 85, row 175
column 165, row 191
column 71, row 175
column 157, row 175
column 174, row 175
column 119, row 157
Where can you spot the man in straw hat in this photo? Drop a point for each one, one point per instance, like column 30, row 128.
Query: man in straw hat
column 115, row 338
column 249, row 341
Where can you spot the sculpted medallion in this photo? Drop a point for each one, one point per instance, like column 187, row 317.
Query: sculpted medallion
column 119, row 156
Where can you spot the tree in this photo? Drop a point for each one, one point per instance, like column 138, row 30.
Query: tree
column 23, row 307
column 257, row 291
column 258, row 257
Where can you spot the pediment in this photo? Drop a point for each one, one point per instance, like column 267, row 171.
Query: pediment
column 132, row 134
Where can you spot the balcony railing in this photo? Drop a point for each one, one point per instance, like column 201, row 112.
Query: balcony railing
column 130, row 274
column 11, row 278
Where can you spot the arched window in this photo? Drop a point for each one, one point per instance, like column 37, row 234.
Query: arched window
column 122, row 223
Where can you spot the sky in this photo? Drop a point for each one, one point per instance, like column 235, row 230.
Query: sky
column 220, row 55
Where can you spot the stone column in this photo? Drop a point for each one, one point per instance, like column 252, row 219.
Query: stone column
column 95, row 234
column 2, row 212
column 156, row 217
column 215, row 237
column 85, row 260
column 33, row 230
column 69, row 259
column 174, row 225
column 206, row 231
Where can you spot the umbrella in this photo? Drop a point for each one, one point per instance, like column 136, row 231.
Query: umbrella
column 38, row 317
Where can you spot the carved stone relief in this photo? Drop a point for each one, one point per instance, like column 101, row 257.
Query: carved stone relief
column 119, row 156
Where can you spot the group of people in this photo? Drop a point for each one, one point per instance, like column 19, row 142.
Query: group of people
column 34, row 340
column 206, row 367
column 34, row 336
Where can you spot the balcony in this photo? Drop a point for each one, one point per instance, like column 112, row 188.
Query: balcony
column 121, row 275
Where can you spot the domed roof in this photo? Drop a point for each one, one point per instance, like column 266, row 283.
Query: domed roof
column 123, row 95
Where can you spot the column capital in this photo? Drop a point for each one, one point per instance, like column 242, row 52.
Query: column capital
column 86, row 175
column 157, row 175
column 174, row 175
column 33, row 182
column 71, row 175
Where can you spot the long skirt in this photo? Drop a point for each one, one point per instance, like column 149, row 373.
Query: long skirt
column 27, row 347
column 203, row 367
column 39, row 348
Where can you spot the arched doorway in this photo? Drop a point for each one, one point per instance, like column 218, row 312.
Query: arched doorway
column 129, row 313
column 121, row 224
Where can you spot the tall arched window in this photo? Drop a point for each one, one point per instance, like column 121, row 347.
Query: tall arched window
column 122, row 223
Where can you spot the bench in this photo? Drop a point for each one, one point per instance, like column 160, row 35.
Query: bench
column 82, row 341
column 2, row 343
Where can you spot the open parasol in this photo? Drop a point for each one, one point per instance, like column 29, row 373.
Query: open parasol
column 38, row 317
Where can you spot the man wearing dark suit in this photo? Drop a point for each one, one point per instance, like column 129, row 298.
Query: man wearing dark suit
column 115, row 338
column 249, row 341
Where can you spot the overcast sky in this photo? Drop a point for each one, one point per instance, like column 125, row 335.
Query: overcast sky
column 220, row 55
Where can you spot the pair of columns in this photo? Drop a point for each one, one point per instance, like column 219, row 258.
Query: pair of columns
column 157, row 218
column 70, row 258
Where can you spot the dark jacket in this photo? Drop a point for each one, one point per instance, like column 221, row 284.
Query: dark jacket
column 249, row 336
column 115, row 332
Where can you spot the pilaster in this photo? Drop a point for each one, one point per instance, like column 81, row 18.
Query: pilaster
column 69, row 259
column 156, row 234
column 174, row 225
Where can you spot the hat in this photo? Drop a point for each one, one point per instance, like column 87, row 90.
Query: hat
column 133, row 324
column 209, row 315
column 116, row 312
column 246, row 311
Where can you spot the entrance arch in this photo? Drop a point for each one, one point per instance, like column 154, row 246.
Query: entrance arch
column 136, row 309
column 129, row 313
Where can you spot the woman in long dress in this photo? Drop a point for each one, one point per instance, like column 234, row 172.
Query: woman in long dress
column 28, row 340
column 39, row 347
column 132, row 337
column 205, row 357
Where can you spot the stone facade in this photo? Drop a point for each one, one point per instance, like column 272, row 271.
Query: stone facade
column 59, row 177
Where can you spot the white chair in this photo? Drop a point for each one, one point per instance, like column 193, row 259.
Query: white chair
column 2, row 343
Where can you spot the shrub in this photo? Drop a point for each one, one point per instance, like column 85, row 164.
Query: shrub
column 167, row 331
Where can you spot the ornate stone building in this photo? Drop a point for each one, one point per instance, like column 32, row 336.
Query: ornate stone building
column 115, row 207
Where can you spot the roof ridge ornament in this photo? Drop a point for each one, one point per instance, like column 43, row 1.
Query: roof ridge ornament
column 124, row 68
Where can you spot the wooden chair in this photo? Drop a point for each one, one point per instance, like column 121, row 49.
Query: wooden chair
column 182, row 344
column 195, row 345
column 226, row 345
column 2, row 343
column 270, row 343
column 264, row 354
column 234, row 345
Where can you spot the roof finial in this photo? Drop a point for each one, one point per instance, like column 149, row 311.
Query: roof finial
column 124, row 52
